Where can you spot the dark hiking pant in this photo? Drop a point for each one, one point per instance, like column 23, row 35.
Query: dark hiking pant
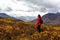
column 39, row 28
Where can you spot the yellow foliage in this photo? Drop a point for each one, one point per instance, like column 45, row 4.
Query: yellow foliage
column 17, row 28
column 8, row 28
column 56, row 28
column 27, row 31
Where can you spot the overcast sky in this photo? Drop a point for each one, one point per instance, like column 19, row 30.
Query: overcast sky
column 18, row 8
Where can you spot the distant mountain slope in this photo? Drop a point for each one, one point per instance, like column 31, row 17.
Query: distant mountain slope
column 21, row 18
column 4, row 16
column 26, row 18
column 50, row 18
column 34, row 20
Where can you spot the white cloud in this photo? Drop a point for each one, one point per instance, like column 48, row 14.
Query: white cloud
column 29, row 7
column 49, row 5
column 19, row 13
column 19, row 8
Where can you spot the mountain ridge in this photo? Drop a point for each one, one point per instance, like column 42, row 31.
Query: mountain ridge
column 50, row 19
column 4, row 16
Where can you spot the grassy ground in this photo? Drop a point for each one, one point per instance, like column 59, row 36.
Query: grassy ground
column 10, row 30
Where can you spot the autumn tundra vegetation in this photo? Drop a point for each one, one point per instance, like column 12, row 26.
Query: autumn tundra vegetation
column 11, row 29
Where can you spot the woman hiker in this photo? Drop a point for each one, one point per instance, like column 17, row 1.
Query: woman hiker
column 39, row 21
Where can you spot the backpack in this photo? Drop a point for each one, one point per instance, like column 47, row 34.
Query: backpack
column 41, row 21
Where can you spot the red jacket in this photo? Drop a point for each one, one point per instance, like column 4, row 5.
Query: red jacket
column 38, row 21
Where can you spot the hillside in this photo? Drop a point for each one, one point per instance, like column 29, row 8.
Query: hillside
column 5, row 15
column 21, row 18
column 19, row 30
column 26, row 18
column 50, row 19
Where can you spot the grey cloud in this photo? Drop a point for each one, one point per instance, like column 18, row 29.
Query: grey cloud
column 0, row 9
column 31, row 3
column 53, row 10
column 39, row 8
column 7, row 9
column 44, row 5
